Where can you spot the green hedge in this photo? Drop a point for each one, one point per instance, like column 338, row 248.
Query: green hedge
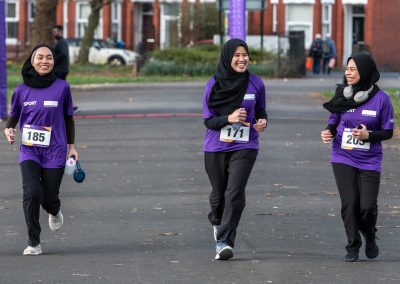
column 202, row 61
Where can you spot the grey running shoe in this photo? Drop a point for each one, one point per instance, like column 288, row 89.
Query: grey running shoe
column 224, row 251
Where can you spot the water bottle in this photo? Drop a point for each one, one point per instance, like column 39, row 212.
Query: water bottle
column 70, row 166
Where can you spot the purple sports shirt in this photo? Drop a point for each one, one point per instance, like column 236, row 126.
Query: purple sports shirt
column 44, row 107
column 376, row 114
column 254, row 100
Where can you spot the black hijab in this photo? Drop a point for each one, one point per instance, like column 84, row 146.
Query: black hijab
column 32, row 78
column 369, row 75
column 230, row 86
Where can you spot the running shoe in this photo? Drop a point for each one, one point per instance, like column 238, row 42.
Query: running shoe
column 224, row 251
column 351, row 256
column 33, row 250
column 216, row 230
column 76, row 109
column 56, row 222
column 371, row 247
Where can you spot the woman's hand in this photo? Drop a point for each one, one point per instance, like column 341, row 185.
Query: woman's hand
column 260, row 125
column 9, row 133
column 360, row 133
column 326, row 136
column 72, row 151
column 237, row 116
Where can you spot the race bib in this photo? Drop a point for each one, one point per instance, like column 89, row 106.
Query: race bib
column 38, row 136
column 235, row 133
column 350, row 143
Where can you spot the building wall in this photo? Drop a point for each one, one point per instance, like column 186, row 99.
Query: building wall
column 381, row 33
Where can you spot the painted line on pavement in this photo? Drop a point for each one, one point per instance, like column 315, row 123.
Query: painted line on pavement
column 136, row 115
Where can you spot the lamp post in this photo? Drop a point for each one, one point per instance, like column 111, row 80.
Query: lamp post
column 3, row 67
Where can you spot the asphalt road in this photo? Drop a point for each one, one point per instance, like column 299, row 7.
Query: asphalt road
column 141, row 214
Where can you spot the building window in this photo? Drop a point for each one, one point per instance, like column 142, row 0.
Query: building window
column 31, row 15
column 82, row 15
column 358, row 24
column 12, row 18
column 326, row 20
column 116, row 19
column 170, row 25
column 300, row 18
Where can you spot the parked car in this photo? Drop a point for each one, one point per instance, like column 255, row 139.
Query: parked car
column 102, row 52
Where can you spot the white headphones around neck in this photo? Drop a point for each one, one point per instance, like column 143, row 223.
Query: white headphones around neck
column 359, row 97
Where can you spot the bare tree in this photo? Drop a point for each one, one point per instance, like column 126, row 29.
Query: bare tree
column 43, row 22
column 94, row 18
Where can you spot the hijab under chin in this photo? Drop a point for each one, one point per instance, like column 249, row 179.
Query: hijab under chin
column 32, row 78
column 230, row 86
column 369, row 76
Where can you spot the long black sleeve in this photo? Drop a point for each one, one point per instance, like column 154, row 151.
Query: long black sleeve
column 332, row 129
column 70, row 128
column 380, row 135
column 216, row 122
column 11, row 122
column 261, row 113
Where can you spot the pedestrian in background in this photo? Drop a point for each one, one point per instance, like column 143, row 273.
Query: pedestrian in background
column 329, row 55
column 316, row 53
column 61, row 56
column 43, row 107
column 361, row 117
column 234, row 115
column 61, row 53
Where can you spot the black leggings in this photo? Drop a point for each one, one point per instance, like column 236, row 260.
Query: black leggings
column 40, row 187
column 358, row 191
column 228, row 173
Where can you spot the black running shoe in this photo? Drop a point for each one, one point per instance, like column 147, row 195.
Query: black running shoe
column 351, row 256
column 371, row 247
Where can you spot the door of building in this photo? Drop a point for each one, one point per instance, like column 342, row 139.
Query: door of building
column 148, row 33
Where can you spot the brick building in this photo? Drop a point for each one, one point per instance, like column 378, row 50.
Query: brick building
column 355, row 25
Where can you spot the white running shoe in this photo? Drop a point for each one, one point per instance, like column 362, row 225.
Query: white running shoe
column 33, row 250
column 56, row 222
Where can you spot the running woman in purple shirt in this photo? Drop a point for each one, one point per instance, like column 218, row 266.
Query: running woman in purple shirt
column 43, row 107
column 361, row 117
column 234, row 115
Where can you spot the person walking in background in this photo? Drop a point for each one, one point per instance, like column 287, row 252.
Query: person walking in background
column 329, row 54
column 361, row 117
column 234, row 115
column 43, row 107
column 61, row 56
column 61, row 53
column 316, row 53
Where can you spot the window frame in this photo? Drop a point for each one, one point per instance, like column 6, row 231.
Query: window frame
column 15, row 20
column 98, row 33
column 308, row 32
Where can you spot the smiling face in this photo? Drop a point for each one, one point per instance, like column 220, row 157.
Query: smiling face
column 240, row 60
column 43, row 61
column 351, row 73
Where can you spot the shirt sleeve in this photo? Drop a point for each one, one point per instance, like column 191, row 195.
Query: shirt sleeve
column 68, row 105
column 334, row 119
column 387, row 114
column 15, row 105
column 207, row 112
column 260, row 103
